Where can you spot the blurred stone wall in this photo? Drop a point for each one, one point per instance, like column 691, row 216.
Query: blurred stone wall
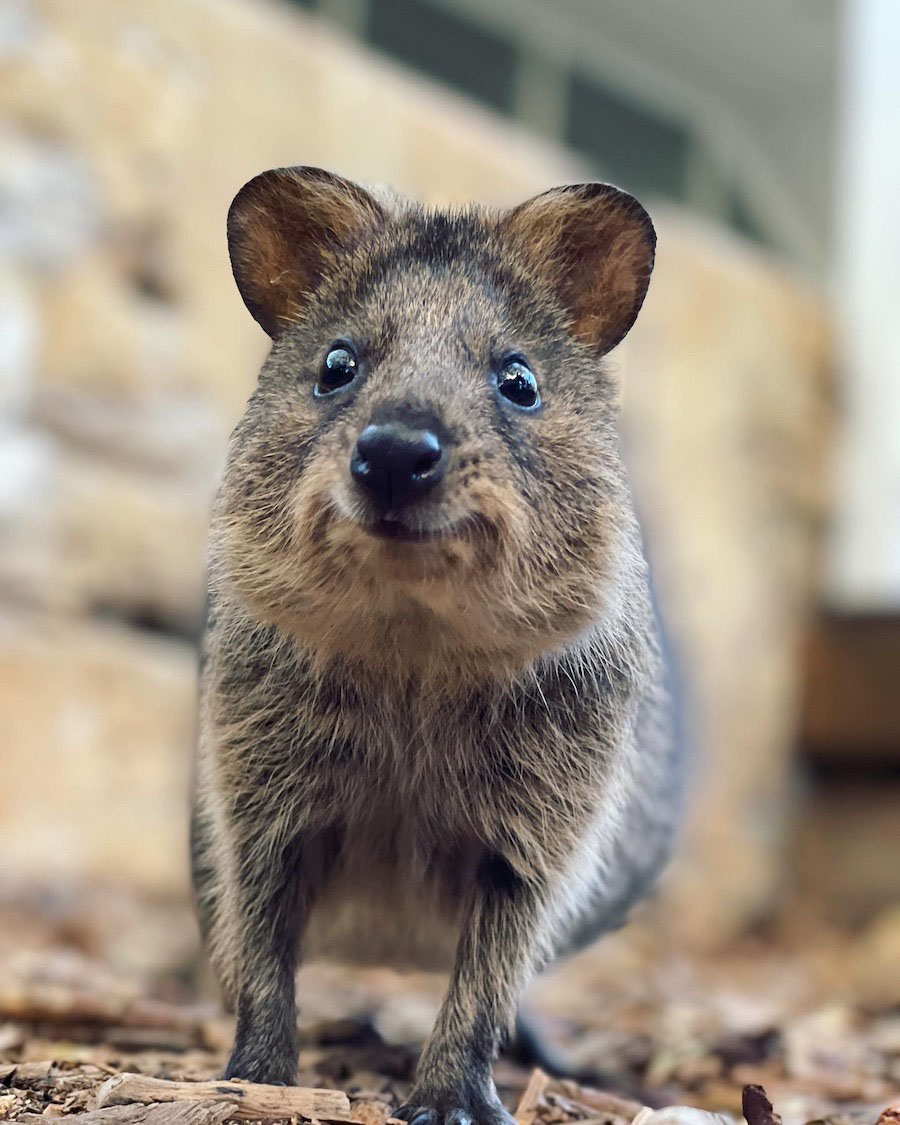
column 126, row 126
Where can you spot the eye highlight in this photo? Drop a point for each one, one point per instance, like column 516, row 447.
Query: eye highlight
column 339, row 368
column 516, row 382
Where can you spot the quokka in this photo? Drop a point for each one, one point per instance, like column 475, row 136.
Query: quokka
column 435, row 722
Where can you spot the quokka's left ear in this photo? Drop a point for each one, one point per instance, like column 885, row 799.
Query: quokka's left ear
column 595, row 244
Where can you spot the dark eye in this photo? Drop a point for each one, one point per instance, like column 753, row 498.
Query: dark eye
column 338, row 369
column 516, row 382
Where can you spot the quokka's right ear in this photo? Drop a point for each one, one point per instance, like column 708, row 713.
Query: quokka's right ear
column 286, row 228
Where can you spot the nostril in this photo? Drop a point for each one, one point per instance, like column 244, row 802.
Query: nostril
column 424, row 465
column 430, row 455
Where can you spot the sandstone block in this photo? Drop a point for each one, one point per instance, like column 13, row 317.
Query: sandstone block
column 96, row 727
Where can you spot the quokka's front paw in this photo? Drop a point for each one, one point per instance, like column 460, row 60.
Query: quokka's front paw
column 454, row 1107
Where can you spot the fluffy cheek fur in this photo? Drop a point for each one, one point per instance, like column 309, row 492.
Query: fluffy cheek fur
column 520, row 566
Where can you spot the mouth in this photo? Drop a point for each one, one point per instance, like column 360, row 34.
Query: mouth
column 397, row 532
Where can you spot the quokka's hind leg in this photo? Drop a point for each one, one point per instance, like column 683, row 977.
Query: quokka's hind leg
column 529, row 1048
column 529, row 1045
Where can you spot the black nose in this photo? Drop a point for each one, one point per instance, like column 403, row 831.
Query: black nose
column 396, row 463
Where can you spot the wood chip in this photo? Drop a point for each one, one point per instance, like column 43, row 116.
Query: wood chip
column 47, row 1077
column 29, row 1074
column 370, row 1111
column 170, row 1113
column 526, row 1110
column 600, row 1100
column 248, row 1101
column 757, row 1108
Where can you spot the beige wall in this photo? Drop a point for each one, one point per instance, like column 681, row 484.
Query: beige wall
column 127, row 127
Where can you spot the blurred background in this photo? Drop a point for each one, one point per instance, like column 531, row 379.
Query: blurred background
column 761, row 403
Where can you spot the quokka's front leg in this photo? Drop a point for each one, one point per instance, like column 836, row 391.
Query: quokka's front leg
column 500, row 947
column 276, row 887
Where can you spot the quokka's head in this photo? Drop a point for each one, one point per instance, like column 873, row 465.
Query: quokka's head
column 429, row 462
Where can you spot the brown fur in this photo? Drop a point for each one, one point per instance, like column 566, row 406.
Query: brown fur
column 456, row 750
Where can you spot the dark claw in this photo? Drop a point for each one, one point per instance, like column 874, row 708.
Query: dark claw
column 422, row 1115
column 427, row 1115
column 458, row 1117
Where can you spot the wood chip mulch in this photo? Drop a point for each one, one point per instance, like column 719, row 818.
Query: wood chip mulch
column 101, row 1021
